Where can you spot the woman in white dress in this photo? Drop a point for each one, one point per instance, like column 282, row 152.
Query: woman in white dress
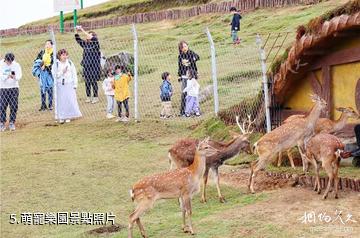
column 66, row 80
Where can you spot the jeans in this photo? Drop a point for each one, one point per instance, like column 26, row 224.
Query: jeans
column 49, row 92
column 110, row 104
column 8, row 97
column 234, row 36
column 94, row 86
column 126, row 106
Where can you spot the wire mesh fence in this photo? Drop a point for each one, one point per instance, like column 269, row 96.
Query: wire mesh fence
column 238, row 72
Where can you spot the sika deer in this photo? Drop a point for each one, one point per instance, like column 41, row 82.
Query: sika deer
column 325, row 149
column 323, row 125
column 284, row 137
column 181, row 183
column 182, row 154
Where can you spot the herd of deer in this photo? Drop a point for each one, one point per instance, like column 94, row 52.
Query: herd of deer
column 194, row 159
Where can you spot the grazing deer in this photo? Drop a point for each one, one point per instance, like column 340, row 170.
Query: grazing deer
column 323, row 125
column 285, row 137
column 325, row 149
column 181, row 183
column 182, row 154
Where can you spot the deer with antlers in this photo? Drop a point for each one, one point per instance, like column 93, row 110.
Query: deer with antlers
column 181, row 183
column 285, row 137
column 325, row 149
column 182, row 153
column 323, row 125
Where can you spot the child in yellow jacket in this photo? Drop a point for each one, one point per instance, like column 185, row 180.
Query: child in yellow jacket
column 122, row 92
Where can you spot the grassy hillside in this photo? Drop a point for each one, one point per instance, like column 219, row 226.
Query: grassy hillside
column 115, row 8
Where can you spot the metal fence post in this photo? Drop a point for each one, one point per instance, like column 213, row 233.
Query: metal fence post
column 136, row 60
column 54, row 69
column 213, row 71
column 264, row 81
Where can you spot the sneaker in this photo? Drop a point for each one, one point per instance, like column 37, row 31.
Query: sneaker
column 95, row 100
column 162, row 116
column 187, row 115
column 11, row 126
column 67, row 120
column 2, row 127
column 197, row 114
column 88, row 99
column 109, row 116
column 61, row 121
column 125, row 119
column 42, row 109
column 50, row 108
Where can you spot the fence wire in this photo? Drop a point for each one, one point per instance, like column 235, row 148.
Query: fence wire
column 238, row 68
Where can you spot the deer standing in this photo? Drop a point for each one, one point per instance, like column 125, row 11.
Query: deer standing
column 325, row 149
column 181, row 183
column 323, row 125
column 182, row 154
column 284, row 137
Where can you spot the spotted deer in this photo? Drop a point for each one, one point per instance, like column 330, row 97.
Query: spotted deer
column 181, row 183
column 182, row 153
column 323, row 125
column 325, row 149
column 285, row 137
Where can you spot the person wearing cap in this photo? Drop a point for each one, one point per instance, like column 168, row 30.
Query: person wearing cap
column 10, row 75
column 90, row 62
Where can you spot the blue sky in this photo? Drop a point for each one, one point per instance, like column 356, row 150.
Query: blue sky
column 15, row 13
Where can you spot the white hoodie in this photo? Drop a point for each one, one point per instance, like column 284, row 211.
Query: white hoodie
column 107, row 86
column 69, row 77
column 5, row 71
column 192, row 88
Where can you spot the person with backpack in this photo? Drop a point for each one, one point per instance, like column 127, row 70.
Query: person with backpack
column 65, row 76
column 166, row 92
column 42, row 70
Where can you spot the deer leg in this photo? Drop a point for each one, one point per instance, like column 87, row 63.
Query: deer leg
column 183, row 211
column 291, row 159
column 317, row 174
column 205, row 179
column 336, row 180
column 187, row 205
column 279, row 162
column 329, row 170
column 260, row 164
column 217, row 181
column 134, row 217
column 303, row 158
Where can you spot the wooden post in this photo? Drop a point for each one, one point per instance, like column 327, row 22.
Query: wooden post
column 326, row 75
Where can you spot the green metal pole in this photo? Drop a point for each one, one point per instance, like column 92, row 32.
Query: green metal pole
column 81, row 4
column 75, row 17
column 61, row 21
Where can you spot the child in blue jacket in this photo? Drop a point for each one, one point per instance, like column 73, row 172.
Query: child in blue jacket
column 166, row 92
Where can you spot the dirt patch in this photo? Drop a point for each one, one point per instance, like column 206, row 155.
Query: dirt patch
column 240, row 177
column 106, row 229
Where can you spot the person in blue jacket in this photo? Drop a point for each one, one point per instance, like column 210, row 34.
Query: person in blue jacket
column 235, row 25
column 166, row 92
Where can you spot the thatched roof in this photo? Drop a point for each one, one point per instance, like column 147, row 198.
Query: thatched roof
column 313, row 42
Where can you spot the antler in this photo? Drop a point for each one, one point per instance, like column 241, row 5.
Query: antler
column 242, row 128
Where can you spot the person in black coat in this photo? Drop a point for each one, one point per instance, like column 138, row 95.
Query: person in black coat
column 90, row 62
column 235, row 25
column 186, row 60
column 46, row 56
column 356, row 152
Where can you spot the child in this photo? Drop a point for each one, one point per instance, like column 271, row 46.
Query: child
column 109, row 92
column 122, row 93
column 165, row 95
column 192, row 98
column 235, row 25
